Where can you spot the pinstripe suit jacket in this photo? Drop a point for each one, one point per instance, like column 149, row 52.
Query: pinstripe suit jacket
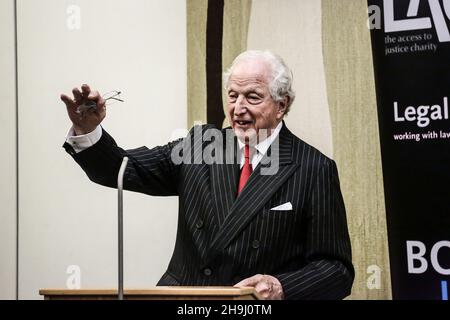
column 222, row 239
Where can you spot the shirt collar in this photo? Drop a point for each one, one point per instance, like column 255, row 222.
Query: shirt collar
column 265, row 144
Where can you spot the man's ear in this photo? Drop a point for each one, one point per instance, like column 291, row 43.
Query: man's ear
column 282, row 105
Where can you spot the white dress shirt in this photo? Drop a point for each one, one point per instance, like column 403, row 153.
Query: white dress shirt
column 82, row 142
column 261, row 148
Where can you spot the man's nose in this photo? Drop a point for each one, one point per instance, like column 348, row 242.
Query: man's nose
column 240, row 107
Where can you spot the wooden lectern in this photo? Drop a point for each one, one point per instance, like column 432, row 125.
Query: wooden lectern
column 157, row 293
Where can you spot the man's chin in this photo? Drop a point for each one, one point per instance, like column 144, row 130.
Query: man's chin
column 245, row 135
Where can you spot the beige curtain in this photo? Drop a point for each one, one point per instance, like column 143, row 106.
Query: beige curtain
column 351, row 96
column 196, row 56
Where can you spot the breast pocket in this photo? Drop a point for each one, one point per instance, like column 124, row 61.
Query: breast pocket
column 282, row 220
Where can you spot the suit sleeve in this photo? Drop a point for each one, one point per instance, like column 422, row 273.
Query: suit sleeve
column 149, row 171
column 329, row 273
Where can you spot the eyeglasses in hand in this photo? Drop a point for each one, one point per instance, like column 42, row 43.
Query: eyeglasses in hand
column 109, row 97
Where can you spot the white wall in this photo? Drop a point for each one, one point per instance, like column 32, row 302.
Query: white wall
column 7, row 153
column 138, row 47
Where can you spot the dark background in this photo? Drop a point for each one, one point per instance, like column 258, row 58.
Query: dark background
column 416, row 174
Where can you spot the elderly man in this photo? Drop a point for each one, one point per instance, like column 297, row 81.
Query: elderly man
column 283, row 232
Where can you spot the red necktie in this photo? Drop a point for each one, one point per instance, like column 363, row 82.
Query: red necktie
column 246, row 169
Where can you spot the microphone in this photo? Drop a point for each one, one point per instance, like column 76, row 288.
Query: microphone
column 120, row 224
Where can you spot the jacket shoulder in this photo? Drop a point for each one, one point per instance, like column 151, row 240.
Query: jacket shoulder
column 308, row 154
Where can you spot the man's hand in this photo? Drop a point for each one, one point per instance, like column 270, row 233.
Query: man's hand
column 268, row 287
column 88, row 120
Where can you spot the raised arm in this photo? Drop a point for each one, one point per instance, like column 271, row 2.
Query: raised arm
column 149, row 171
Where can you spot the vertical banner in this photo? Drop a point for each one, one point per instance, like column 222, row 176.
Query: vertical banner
column 411, row 53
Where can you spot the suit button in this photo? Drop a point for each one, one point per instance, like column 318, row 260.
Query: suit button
column 199, row 224
column 207, row 272
column 255, row 244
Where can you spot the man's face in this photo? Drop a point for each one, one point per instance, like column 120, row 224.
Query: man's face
column 250, row 106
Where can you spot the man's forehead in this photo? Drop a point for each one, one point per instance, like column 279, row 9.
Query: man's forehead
column 252, row 80
column 256, row 69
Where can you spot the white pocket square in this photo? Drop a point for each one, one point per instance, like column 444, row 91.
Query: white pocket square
column 284, row 206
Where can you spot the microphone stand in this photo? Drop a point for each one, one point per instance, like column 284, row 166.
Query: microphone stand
column 120, row 224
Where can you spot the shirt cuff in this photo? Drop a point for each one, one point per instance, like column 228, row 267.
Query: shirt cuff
column 82, row 142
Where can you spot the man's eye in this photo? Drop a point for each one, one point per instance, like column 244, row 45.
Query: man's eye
column 253, row 98
column 232, row 96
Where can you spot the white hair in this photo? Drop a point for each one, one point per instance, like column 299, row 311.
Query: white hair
column 280, row 85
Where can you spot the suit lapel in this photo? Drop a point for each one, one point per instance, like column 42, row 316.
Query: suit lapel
column 258, row 190
column 224, row 181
